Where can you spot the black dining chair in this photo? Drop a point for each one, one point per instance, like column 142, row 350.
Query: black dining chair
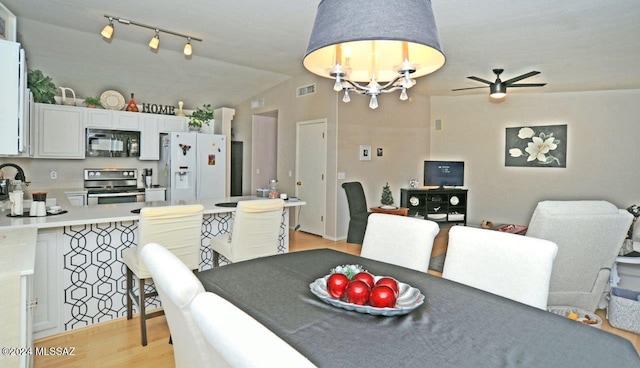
column 358, row 211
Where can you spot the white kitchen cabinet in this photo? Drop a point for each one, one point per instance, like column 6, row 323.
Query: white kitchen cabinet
column 154, row 194
column 47, row 289
column 59, row 131
column 149, row 138
column 114, row 120
column 151, row 126
column 169, row 123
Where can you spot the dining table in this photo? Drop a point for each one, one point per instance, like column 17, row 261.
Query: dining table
column 455, row 326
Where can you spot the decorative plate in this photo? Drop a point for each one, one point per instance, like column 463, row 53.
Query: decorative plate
column 112, row 100
column 414, row 201
column 454, row 200
column 409, row 298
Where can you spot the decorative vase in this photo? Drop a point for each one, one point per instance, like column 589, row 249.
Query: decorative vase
column 180, row 111
column 194, row 129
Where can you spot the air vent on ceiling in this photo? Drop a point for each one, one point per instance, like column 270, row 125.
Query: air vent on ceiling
column 257, row 103
column 306, row 90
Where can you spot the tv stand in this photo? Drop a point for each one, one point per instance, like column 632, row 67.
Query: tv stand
column 440, row 205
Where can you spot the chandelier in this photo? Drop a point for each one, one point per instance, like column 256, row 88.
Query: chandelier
column 372, row 47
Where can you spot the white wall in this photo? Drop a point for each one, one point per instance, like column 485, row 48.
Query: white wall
column 603, row 148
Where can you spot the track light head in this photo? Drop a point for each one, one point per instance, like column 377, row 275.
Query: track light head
column 107, row 31
column 187, row 48
column 155, row 41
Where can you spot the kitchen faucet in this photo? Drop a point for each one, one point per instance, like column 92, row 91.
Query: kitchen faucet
column 6, row 185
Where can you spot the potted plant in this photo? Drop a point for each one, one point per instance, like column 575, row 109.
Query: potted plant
column 92, row 102
column 201, row 116
column 41, row 86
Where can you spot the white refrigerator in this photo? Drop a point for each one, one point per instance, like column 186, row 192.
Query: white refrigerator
column 14, row 99
column 192, row 165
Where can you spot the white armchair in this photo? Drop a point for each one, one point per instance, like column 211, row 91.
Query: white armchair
column 589, row 235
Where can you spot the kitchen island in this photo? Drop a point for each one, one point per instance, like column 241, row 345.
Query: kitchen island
column 79, row 277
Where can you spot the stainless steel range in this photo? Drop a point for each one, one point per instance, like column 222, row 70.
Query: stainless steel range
column 112, row 186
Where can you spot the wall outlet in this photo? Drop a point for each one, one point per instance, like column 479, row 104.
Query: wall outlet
column 53, row 174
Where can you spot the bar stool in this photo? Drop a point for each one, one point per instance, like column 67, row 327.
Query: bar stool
column 255, row 232
column 178, row 229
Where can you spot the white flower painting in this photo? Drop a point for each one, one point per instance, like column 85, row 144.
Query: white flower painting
column 536, row 146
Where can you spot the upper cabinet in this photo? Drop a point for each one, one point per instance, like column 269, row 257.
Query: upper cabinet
column 151, row 126
column 110, row 119
column 59, row 131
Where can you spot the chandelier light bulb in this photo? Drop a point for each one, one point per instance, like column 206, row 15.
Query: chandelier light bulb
column 403, row 95
column 338, row 85
column 373, row 104
column 346, row 97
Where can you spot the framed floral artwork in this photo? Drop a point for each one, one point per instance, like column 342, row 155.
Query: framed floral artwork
column 536, row 146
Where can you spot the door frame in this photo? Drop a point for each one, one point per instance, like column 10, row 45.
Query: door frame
column 324, row 187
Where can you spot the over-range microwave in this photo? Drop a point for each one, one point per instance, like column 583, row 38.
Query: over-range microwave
column 112, row 143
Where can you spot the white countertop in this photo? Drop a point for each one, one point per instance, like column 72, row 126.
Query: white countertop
column 113, row 212
column 18, row 250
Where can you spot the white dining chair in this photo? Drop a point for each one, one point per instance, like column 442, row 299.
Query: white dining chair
column 177, row 287
column 242, row 341
column 255, row 232
column 512, row 266
column 178, row 229
column 400, row 240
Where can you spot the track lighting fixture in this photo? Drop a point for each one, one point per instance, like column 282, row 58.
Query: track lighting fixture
column 107, row 32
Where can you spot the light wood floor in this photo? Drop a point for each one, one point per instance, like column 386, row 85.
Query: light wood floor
column 117, row 343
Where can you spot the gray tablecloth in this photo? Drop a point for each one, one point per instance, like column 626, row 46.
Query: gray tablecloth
column 457, row 326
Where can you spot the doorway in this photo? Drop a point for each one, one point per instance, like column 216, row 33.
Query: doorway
column 264, row 149
column 311, row 166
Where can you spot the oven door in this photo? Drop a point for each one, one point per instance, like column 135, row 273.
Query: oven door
column 107, row 198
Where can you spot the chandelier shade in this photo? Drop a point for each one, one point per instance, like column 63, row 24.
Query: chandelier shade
column 387, row 41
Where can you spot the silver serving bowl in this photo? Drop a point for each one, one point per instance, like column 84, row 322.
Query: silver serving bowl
column 409, row 298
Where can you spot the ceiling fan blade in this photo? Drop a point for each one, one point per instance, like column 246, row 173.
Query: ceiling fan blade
column 528, row 85
column 462, row 89
column 521, row 77
column 480, row 80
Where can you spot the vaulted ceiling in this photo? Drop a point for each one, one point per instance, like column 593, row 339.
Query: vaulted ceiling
column 252, row 45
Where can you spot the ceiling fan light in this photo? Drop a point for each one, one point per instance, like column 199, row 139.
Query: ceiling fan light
column 497, row 90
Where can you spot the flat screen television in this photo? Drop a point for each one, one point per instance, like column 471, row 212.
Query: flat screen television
column 441, row 173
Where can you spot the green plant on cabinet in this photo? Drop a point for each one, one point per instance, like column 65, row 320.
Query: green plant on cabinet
column 201, row 116
column 41, row 86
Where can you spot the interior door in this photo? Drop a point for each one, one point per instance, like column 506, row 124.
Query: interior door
column 311, row 153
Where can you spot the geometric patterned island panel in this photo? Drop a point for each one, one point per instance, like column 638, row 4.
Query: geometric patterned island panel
column 94, row 277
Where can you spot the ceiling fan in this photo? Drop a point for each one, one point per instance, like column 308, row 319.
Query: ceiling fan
column 498, row 89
